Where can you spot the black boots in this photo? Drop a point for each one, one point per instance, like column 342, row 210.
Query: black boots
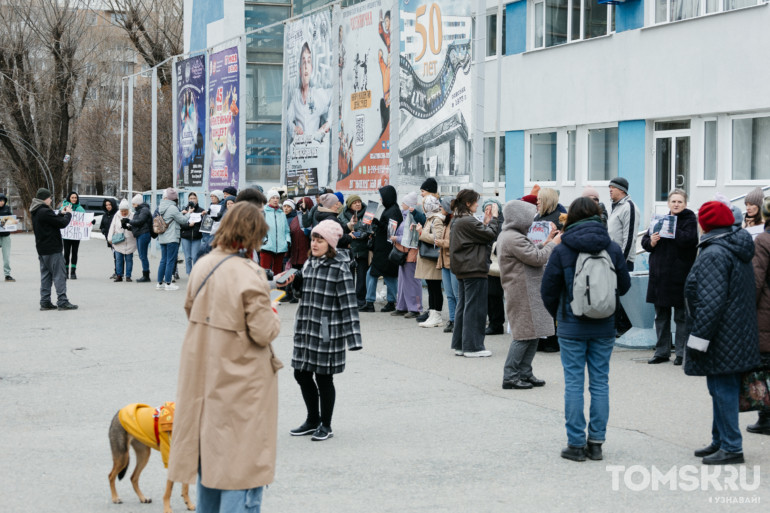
column 145, row 277
column 368, row 307
column 73, row 276
column 762, row 427
column 389, row 307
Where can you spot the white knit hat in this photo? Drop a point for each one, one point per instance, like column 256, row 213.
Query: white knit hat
column 124, row 205
column 137, row 200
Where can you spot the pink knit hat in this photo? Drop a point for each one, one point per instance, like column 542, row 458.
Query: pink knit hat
column 590, row 192
column 328, row 200
column 331, row 231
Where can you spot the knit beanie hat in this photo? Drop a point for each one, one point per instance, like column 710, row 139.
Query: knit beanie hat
column 489, row 201
column 137, row 200
column 429, row 185
column 330, row 230
column 410, row 200
column 530, row 198
column 230, row 198
column 590, row 192
column 124, row 204
column 230, row 191
column 328, row 200
column 755, row 197
column 446, row 204
column 430, row 204
column 620, row 183
column 171, row 194
column 290, row 203
column 220, row 195
column 273, row 193
column 340, row 196
column 352, row 199
column 715, row 214
column 43, row 194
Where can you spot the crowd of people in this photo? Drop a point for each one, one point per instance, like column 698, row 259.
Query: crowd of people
column 710, row 270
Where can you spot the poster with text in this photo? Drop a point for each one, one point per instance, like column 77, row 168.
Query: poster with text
column 363, row 145
column 224, row 96
column 191, row 119
column 435, row 92
column 308, row 94
column 79, row 227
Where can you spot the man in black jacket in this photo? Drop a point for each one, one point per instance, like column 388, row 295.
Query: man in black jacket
column 48, row 242
column 5, row 239
column 141, row 225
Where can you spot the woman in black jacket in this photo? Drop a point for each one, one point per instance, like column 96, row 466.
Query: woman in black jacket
column 670, row 262
column 381, row 265
column 110, row 208
column 191, row 233
column 548, row 207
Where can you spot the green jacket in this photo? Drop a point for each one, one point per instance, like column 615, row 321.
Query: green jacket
column 78, row 208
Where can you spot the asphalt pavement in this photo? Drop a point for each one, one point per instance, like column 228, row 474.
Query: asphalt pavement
column 416, row 429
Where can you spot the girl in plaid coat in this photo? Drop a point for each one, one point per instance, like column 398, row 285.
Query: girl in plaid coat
column 326, row 322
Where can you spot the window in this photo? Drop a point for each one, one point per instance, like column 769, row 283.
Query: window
column 542, row 157
column 265, row 45
column 675, row 10
column 563, row 21
column 492, row 34
column 263, row 92
column 489, row 159
column 751, row 148
column 571, row 157
column 710, row 150
column 602, row 154
column 118, row 18
column 263, row 152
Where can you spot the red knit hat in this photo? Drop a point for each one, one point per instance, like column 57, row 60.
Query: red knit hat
column 714, row 214
column 530, row 198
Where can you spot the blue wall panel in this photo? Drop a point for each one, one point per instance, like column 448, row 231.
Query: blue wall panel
column 203, row 13
column 514, row 165
column 516, row 27
column 629, row 15
column 631, row 144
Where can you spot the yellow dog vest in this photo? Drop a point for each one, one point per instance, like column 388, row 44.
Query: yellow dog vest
column 151, row 426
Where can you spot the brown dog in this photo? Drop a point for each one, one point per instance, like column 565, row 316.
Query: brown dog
column 144, row 428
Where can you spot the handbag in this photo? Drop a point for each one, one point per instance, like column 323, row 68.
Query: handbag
column 397, row 256
column 118, row 238
column 428, row 251
column 494, row 266
column 755, row 391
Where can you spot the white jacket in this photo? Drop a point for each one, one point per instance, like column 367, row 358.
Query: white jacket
column 129, row 245
column 623, row 226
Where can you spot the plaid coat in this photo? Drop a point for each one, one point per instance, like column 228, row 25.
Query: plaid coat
column 327, row 318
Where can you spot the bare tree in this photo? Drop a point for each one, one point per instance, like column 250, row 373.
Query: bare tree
column 43, row 87
column 155, row 28
column 142, row 137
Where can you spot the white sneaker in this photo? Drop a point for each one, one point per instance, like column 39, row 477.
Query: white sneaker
column 478, row 354
column 434, row 320
column 159, row 286
column 171, row 286
column 459, row 352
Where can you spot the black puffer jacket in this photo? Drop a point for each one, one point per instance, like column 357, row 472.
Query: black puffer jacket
column 721, row 304
column 671, row 261
column 5, row 210
column 104, row 226
column 381, row 265
column 141, row 223
column 192, row 232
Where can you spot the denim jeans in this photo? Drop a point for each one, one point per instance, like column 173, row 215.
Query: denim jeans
column 168, row 254
column 142, row 245
column 725, row 429
column 450, row 288
column 121, row 259
column 371, row 287
column 212, row 500
column 190, row 248
column 575, row 356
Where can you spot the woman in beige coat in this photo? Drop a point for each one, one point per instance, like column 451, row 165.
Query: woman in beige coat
column 227, row 393
column 124, row 250
column 426, row 267
column 521, row 271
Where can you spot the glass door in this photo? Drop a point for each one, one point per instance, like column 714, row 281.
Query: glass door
column 672, row 162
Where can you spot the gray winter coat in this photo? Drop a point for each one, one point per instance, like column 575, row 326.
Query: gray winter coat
column 174, row 219
column 622, row 230
column 521, row 273
column 721, row 303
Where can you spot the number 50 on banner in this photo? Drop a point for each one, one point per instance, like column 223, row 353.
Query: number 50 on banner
column 434, row 29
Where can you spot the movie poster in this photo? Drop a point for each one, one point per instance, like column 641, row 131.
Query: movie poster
column 224, row 91
column 363, row 145
column 435, row 92
column 191, row 121
column 308, row 94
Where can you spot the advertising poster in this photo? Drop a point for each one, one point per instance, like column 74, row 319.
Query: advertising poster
column 79, row 227
column 435, row 91
column 363, row 145
column 224, row 95
column 308, row 90
column 301, row 182
column 191, row 119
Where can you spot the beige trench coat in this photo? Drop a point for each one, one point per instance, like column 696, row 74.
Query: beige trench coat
column 433, row 229
column 227, row 393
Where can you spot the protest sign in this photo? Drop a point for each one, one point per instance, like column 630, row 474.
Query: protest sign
column 539, row 231
column 663, row 224
column 8, row 224
column 79, row 227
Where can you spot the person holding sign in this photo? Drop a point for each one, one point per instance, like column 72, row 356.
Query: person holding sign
column 5, row 239
column 71, row 247
column 48, row 241
column 670, row 262
column 191, row 232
